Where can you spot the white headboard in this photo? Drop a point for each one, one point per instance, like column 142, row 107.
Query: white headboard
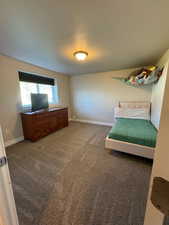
column 133, row 110
column 135, row 104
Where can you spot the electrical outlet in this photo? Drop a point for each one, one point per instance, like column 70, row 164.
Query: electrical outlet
column 7, row 131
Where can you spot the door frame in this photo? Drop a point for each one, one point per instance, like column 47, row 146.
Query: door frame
column 8, row 213
column 153, row 216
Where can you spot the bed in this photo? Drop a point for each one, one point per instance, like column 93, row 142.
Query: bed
column 133, row 136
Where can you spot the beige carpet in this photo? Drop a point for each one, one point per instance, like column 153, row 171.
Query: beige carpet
column 68, row 178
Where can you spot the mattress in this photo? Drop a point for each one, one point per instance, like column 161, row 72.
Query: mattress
column 137, row 131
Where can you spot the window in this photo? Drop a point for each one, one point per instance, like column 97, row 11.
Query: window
column 28, row 87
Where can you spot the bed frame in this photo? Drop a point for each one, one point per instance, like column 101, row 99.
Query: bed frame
column 134, row 149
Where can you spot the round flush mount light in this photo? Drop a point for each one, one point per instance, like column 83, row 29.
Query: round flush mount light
column 80, row 55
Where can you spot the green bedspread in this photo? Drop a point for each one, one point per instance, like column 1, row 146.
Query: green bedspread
column 135, row 131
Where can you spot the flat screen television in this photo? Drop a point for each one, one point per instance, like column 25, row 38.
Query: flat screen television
column 39, row 101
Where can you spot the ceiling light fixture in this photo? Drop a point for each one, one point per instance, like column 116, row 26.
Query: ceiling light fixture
column 80, row 55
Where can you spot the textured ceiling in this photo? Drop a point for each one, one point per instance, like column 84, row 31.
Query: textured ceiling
column 117, row 34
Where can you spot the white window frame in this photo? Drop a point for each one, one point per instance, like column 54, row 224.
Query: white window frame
column 55, row 95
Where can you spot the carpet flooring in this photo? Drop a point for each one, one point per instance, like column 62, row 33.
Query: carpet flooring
column 68, row 178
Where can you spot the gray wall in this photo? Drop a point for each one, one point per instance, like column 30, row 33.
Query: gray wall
column 158, row 91
column 10, row 100
column 93, row 96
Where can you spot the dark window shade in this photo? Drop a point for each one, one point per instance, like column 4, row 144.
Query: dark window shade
column 28, row 77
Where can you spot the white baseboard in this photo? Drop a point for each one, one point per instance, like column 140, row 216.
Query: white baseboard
column 92, row 122
column 14, row 141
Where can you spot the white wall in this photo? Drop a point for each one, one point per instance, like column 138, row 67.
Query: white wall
column 158, row 92
column 10, row 100
column 161, row 160
column 93, row 96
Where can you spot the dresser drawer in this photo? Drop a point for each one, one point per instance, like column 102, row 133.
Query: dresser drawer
column 38, row 125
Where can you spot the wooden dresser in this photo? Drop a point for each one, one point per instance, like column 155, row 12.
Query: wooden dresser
column 43, row 122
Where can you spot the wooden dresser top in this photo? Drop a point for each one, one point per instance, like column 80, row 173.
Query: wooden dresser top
column 44, row 111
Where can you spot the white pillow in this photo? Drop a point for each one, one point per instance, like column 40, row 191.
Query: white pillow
column 133, row 113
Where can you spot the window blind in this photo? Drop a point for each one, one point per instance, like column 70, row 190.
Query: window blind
column 28, row 77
